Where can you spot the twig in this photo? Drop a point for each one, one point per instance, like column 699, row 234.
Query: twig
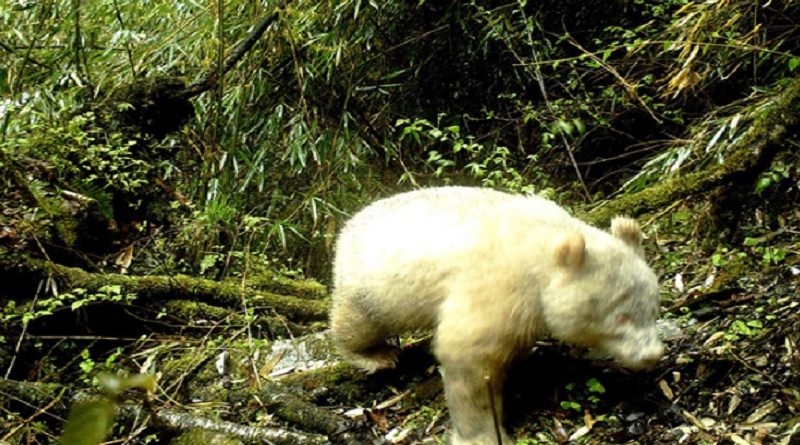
column 24, row 328
column 219, row 91
column 756, row 370
column 248, row 319
column 540, row 81
column 118, row 14
column 495, row 420
column 81, row 65
column 27, row 57
column 625, row 84
column 33, row 416
column 90, row 338
column 406, row 42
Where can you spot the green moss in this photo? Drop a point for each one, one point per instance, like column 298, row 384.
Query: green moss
column 33, row 392
column 67, row 227
column 189, row 309
column 768, row 127
column 277, row 283
column 204, row 437
column 166, row 288
column 343, row 383
column 738, row 266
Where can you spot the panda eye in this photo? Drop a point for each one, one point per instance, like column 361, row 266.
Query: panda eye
column 623, row 318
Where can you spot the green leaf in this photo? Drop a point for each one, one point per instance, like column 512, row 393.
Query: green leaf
column 740, row 327
column 762, row 184
column 208, row 262
column 569, row 404
column 681, row 216
column 565, row 126
column 110, row 289
column 793, row 63
column 751, row 241
column 595, row 386
column 112, row 384
column 88, row 423
column 392, row 75
column 454, row 129
column 755, row 324
column 579, row 125
column 718, row 260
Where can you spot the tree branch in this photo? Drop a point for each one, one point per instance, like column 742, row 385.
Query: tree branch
column 210, row 79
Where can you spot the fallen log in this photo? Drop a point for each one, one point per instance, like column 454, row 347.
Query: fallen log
column 57, row 399
column 15, row 268
column 756, row 148
column 294, row 409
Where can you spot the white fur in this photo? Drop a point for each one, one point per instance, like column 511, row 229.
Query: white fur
column 490, row 272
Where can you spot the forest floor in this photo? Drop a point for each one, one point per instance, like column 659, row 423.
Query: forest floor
column 730, row 318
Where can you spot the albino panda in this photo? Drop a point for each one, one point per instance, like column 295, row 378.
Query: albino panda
column 489, row 273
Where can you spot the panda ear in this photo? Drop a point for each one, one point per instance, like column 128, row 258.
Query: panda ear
column 570, row 251
column 628, row 230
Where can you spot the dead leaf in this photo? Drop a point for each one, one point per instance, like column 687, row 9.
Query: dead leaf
column 379, row 418
column 679, row 282
column 8, row 232
column 580, row 432
column 762, row 411
column 124, row 259
column 398, row 435
column 588, row 420
column 709, row 280
column 695, row 421
column 558, row 431
column 267, row 368
column 761, row 434
column 734, row 403
column 738, row 440
column 392, row 401
column 356, row 413
column 666, row 390
column 713, row 337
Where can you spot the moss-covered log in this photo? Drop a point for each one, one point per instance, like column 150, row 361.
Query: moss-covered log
column 35, row 396
column 204, row 437
column 294, row 409
column 18, row 268
column 345, row 384
column 280, row 284
column 759, row 143
column 176, row 420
